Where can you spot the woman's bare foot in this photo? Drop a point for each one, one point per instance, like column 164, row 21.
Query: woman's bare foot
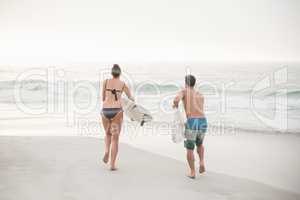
column 105, row 158
column 201, row 169
column 192, row 175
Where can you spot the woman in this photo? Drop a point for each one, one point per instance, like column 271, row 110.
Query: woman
column 112, row 114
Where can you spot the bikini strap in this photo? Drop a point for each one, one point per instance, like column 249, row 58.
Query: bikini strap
column 123, row 87
column 113, row 91
column 105, row 84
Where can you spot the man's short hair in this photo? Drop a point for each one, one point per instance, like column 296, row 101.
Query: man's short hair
column 190, row 80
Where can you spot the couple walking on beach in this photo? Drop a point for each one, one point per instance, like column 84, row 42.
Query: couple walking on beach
column 112, row 118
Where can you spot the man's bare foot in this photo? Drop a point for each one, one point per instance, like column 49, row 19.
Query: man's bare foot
column 105, row 158
column 113, row 169
column 201, row 169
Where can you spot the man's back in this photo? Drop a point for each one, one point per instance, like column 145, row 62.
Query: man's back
column 193, row 103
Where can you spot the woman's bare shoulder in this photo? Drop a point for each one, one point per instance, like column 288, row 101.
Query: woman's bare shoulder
column 123, row 82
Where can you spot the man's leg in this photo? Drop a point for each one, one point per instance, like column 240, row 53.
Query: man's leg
column 190, row 157
column 200, row 151
column 191, row 161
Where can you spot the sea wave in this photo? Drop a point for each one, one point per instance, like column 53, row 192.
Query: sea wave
column 151, row 88
column 35, row 92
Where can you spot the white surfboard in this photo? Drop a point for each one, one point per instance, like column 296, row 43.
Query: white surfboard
column 177, row 127
column 136, row 112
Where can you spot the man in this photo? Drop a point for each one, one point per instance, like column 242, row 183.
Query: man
column 196, row 124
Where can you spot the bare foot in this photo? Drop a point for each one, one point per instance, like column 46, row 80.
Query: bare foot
column 192, row 175
column 202, row 169
column 105, row 158
column 113, row 169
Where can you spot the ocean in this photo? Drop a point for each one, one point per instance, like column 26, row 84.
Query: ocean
column 256, row 98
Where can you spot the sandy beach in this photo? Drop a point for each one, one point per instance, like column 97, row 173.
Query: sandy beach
column 271, row 159
column 70, row 168
column 68, row 67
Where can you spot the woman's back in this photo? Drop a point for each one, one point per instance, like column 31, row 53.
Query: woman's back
column 112, row 92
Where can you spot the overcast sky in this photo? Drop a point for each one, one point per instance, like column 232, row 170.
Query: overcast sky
column 70, row 31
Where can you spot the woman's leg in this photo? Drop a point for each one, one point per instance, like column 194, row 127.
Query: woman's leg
column 107, row 139
column 115, row 128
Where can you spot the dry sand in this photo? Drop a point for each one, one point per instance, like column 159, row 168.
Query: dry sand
column 70, row 168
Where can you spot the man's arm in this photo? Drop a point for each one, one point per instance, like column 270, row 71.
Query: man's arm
column 177, row 99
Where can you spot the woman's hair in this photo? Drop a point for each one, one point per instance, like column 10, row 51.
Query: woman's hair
column 116, row 71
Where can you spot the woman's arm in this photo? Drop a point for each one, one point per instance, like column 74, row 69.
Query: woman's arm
column 103, row 90
column 128, row 93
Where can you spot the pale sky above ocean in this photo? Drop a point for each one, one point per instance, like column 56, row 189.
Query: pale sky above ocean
column 72, row 31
